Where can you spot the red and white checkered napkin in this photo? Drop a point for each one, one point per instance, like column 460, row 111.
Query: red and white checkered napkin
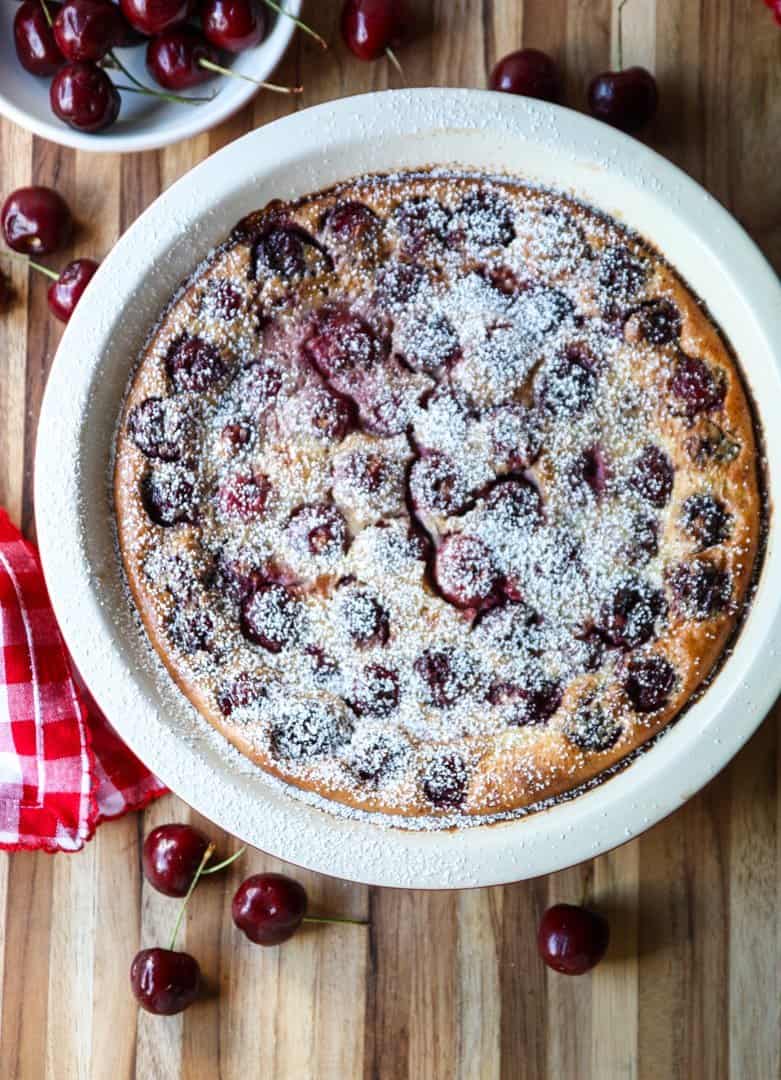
column 63, row 769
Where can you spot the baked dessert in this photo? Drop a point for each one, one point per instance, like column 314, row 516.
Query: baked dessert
column 438, row 494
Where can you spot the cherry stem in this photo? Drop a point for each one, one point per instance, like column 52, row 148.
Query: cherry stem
column 225, row 862
column 210, row 66
column 46, row 13
column 620, row 14
column 43, row 269
column 139, row 88
column 196, row 878
column 299, row 23
column 395, row 61
column 335, row 919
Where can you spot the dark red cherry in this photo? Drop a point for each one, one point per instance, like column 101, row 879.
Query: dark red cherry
column 528, row 72
column 171, row 856
column 352, row 223
column 696, row 385
column 656, row 321
column 240, row 692
column 36, row 221
column 269, row 908
column 163, row 981
column 466, row 572
column 624, row 99
column 36, row 47
column 289, row 251
column 343, row 348
column 193, row 364
column 234, row 25
column 318, row 530
column 87, row 29
column 376, row 691
column 572, row 940
column 653, row 476
column 363, row 618
column 445, row 780
column 168, row 498
column 369, row 27
column 270, row 617
column 64, row 294
column 84, row 97
column 244, row 497
column 436, row 484
column 445, row 674
column 629, row 616
column 152, row 17
column 648, row 682
column 158, row 429
column 701, row 589
column 706, row 519
column 174, row 58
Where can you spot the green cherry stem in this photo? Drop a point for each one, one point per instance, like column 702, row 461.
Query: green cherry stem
column 196, row 878
column 139, row 88
column 219, row 70
column 225, row 862
column 299, row 23
column 620, row 15
column 395, row 61
column 46, row 13
column 43, row 269
column 335, row 919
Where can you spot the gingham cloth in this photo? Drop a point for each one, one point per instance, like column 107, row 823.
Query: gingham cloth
column 63, row 769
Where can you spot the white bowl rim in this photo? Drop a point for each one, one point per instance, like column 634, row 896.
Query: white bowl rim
column 202, row 118
column 697, row 747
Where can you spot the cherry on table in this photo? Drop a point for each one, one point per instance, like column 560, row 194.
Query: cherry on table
column 171, row 856
column 269, row 908
column 152, row 17
column 64, row 294
column 163, row 981
column 87, row 29
column 174, row 58
column 36, row 221
column 624, row 99
column 529, row 72
column 84, row 97
column 373, row 27
column 234, row 25
column 572, row 939
column 36, row 47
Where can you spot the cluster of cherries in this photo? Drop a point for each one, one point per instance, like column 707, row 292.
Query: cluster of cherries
column 270, row 908
column 73, row 43
column 37, row 221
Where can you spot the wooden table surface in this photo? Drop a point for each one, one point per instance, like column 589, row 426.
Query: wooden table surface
column 435, row 985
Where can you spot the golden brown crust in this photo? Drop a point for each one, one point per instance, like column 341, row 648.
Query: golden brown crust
column 712, row 451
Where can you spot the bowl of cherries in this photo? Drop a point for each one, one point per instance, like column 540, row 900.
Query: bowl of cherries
column 125, row 75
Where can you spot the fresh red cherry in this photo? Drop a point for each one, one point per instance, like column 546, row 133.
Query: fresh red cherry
column 624, row 99
column 371, row 27
column 64, row 294
column 171, row 856
column 571, row 939
column 234, row 25
column 87, row 29
column 163, row 981
column 36, row 221
column 269, row 908
column 151, row 17
column 528, row 72
column 84, row 97
column 36, row 47
column 174, row 58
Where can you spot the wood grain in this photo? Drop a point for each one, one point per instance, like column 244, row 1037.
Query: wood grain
column 433, row 986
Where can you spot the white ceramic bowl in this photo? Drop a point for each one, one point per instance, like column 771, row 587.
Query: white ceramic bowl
column 300, row 154
column 144, row 123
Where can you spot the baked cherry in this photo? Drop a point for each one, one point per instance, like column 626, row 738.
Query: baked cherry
column 269, row 908
column 373, row 27
column 705, row 518
column 344, row 348
column 171, row 857
column 152, row 17
column 445, row 780
column 173, row 59
column 318, row 530
column 270, row 617
column 629, row 616
column 289, row 251
column 652, row 476
column 624, row 99
column 648, row 682
column 592, row 728
column 656, row 321
column 194, row 364
column 158, row 429
column 36, row 221
column 701, row 589
column 572, row 940
column 245, row 497
column 466, row 572
column 168, row 497
column 363, row 618
column 422, row 222
column 240, row 692
column 445, row 674
column 87, row 29
column 36, row 47
column 527, row 704
column 528, row 72
column 569, row 385
column 376, row 691
column 64, row 294
column 164, row 981
column 696, row 385
column 352, row 223
column 593, row 469
column 234, row 25
column 436, row 484
column 84, row 97
column 191, row 629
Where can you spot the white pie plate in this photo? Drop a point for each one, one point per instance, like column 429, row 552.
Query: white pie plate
column 300, row 154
